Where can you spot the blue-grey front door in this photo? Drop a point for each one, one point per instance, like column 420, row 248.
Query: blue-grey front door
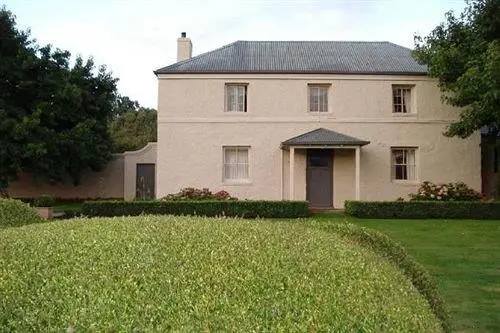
column 320, row 177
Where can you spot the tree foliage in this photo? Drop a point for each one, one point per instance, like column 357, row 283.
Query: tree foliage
column 53, row 117
column 124, row 104
column 133, row 128
column 463, row 53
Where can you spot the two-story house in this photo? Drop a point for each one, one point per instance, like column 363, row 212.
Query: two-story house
column 324, row 121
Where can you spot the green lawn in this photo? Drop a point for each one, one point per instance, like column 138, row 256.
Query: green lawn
column 462, row 255
column 164, row 273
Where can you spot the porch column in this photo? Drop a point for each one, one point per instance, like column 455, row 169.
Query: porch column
column 358, row 173
column 292, row 173
column 282, row 171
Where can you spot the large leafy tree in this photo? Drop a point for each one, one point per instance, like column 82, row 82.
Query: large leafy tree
column 134, row 127
column 124, row 104
column 53, row 117
column 463, row 53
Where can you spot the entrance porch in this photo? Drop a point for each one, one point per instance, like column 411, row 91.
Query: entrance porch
column 320, row 148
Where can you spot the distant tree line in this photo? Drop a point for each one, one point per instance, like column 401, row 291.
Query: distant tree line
column 133, row 126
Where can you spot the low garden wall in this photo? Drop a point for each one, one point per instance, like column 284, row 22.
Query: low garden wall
column 117, row 180
column 107, row 183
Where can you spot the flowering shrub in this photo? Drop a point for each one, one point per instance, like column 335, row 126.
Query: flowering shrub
column 223, row 195
column 458, row 191
column 191, row 193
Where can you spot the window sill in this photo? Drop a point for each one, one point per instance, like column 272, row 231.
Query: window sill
column 406, row 182
column 237, row 182
column 235, row 112
column 319, row 113
column 397, row 114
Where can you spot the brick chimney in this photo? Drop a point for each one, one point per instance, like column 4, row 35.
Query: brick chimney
column 184, row 47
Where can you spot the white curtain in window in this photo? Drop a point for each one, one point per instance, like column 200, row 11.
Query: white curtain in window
column 231, row 98
column 410, row 162
column 242, row 168
column 236, row 163
column 318, row 98
column 313, row 99
column 235, row 98
column 407, row 100
column 241, row 98
column 323, row 101
column 230, row 160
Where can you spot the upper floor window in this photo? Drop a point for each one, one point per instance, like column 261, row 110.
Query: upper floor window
column 403, row 163
column 235, row 163
column 236, row 97
column 318, row 97
column 401, row 99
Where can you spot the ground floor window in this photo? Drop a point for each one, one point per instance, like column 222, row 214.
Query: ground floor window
column 403, row 163
column 235, row 163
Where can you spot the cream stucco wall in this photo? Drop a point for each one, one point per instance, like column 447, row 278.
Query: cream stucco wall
column 198, row 97
column 193, row 128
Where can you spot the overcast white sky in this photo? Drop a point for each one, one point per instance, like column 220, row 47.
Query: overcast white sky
column 134, row 37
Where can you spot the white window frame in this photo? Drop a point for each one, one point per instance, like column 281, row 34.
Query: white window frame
column 241, row 91
column 403, row 92
column 411, row 167
column 323, row 106
column 226, row 163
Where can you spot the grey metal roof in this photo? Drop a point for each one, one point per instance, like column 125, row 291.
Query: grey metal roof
column 323, row 137
column 308, row 57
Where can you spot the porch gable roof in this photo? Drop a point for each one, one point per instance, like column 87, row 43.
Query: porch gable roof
column 323, row 137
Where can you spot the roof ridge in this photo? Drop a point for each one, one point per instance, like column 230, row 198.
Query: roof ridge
column 314, row 41
column 305, row 134
column 400, row 46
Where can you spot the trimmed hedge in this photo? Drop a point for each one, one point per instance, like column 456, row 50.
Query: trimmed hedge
column 15, row 213
column 44, row 201
column 396, row 254
column 246, row 208
column 424, row 209
column 170, row 273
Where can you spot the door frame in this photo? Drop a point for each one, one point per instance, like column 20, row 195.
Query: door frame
column 324, row 152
